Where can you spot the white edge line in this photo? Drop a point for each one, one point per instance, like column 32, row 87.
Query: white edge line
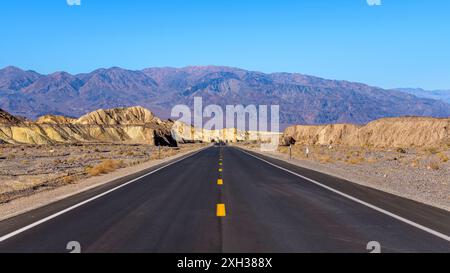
column 48, row 218
column 409, row 222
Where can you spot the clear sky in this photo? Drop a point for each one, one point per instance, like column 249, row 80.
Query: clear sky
column 400, row 43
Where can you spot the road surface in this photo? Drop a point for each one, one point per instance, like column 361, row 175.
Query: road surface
column 260, row 205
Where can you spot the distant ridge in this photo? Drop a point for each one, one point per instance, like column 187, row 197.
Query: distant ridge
column 303, row 99
column 442, row 95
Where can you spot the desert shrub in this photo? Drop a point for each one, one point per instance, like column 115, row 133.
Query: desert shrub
column 349, row 154
column 71, row 160
column 432, row 150
column 401, row 150
column 415, row 163
column 68, row 179
column 434, row 166
column 325, row 159
column 355, row 160
column 106, row 166
column 443, row 157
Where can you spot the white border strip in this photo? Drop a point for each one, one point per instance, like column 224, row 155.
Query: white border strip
column 404, row 220
column 46, row 219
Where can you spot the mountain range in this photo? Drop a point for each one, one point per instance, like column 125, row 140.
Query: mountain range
column 303, row 99
column 443, row 95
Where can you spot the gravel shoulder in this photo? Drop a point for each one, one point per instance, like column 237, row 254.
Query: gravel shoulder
column 391, row 172
column 47, row 196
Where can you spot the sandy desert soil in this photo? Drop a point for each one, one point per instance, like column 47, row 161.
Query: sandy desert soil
column 421, row 174
column 28, row 169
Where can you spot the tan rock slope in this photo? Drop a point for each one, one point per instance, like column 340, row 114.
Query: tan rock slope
column 50, row 119
column 120, row 116
column 135, row 125
column 6, row 118
column 186, row 134
column 388, row 132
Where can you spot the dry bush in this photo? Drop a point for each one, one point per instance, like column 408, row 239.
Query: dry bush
column 349, row 155
column 401, row 150
column 68, row 179
column 432, row 150
column 106, row 166
column 355, row 160
column 325, row 159
column 282, row 149
column 415, row 163
column 72, row 160
column 443, row 157
column 163, row 153
column 299, row 152
column 433, row 166
column 130, row 153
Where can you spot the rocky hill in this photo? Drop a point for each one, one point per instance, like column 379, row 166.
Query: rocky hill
column 400, row 132
column 302, row 99
column 123, row 125
column 50, row 119
column 120, row 116
column 6, row 118
column 138, row 125
column 135, row 125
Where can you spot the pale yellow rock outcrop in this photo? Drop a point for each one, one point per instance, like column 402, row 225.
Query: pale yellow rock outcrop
column 49, row 119
column 186, row 133
column 119, row 116
column 387, row 132
column 125, row 125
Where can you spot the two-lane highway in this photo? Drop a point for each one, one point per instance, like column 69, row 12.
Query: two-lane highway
column 223, row 199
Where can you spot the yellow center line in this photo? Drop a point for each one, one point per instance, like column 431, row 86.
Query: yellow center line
column 221, row 210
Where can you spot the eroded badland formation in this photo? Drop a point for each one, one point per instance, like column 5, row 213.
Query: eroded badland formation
column 406, row 155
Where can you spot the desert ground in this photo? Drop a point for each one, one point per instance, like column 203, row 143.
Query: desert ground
column 28, row 169
column 421, row 174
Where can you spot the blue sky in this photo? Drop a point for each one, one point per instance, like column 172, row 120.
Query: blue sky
column 401, row 43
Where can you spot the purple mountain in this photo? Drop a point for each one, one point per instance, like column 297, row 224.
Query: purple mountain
column 302, row 99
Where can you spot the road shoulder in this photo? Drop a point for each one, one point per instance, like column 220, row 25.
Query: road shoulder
column 343, row 174
column 44, row 198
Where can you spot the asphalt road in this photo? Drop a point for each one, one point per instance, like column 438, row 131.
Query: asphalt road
column 266, row 209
